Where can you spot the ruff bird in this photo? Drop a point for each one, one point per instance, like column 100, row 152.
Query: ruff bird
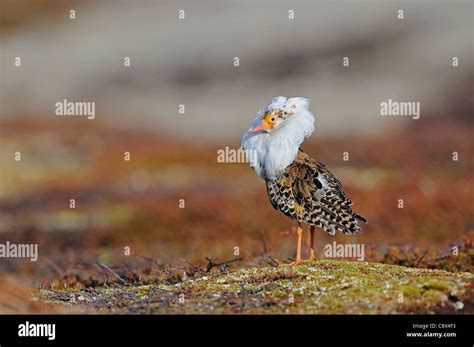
column 297, row 185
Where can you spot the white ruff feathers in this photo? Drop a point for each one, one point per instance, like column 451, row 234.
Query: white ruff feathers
column 273, row 151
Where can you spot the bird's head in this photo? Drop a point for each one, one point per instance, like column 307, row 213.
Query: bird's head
column 277, row 112
column 270, row 120
column 276, row 134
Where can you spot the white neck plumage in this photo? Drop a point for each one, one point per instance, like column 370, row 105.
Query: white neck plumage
column 273, row 152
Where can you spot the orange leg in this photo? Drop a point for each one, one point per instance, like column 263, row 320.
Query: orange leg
column 298, row 247
column 311, row 244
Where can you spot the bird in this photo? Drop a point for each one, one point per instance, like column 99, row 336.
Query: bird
column 300, row 187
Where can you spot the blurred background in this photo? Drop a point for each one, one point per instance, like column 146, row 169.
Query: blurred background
column 174, row 156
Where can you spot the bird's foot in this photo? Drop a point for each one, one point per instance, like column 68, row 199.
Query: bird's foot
column 293, row 263
column 309, row 260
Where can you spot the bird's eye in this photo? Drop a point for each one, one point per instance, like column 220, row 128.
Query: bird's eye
column 272, row 119
column 285, row 113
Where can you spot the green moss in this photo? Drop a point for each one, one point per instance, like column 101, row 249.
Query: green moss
column 325, row 286
column 411, row 291
column 437, row 285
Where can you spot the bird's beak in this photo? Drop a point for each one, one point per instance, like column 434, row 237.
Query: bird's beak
column 258, row 127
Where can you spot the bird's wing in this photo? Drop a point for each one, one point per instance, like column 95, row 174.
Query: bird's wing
column 308, row 192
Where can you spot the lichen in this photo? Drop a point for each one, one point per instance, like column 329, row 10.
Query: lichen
column 321, row 287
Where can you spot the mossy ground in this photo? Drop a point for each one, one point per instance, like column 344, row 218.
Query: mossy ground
column 320, row 287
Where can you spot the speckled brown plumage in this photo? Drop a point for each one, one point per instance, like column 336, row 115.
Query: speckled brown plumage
column 309, row 193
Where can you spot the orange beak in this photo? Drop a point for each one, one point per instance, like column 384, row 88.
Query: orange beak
column 258, row 127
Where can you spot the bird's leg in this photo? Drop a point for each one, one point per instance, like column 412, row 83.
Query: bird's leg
column 298, row 248
column 311, row 244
